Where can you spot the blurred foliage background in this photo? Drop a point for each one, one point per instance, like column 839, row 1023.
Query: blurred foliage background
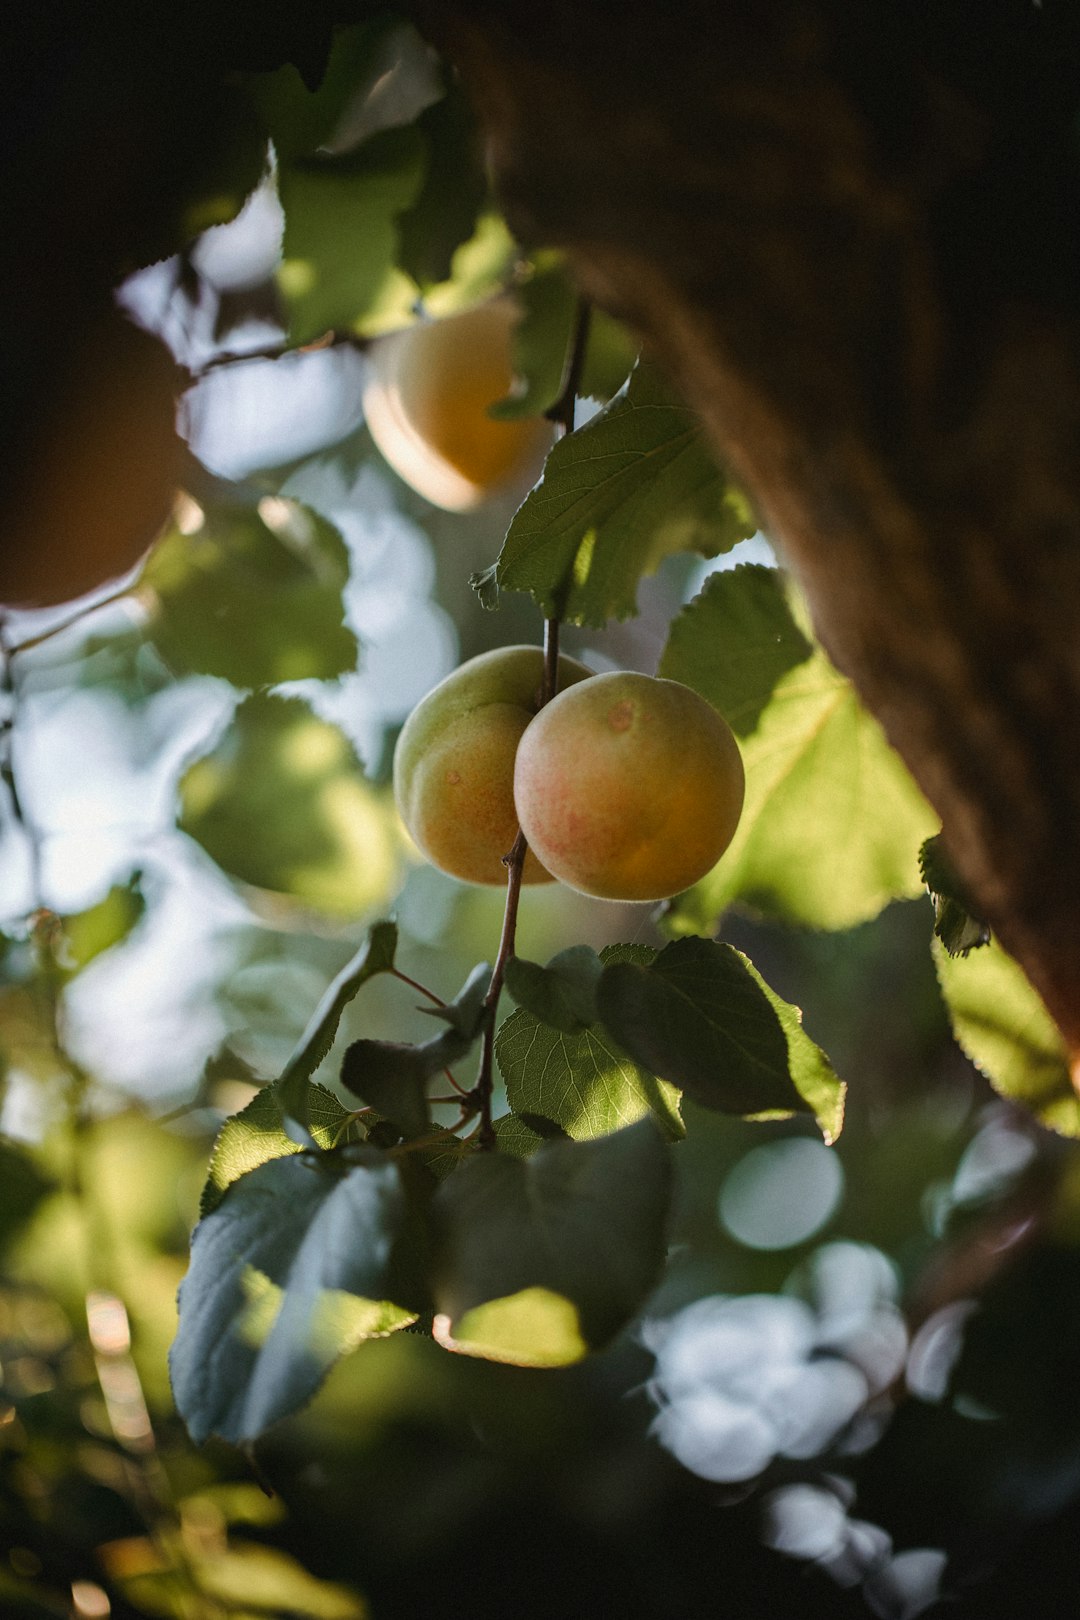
column 855, row 1390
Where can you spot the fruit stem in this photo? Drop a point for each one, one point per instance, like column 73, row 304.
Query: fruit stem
column 485, row 1081
column 562, row 414
column 422, row 989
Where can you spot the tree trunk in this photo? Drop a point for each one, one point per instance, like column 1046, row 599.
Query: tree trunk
column 851, row 233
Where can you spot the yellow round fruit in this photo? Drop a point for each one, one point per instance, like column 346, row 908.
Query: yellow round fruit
column 427, row 402
column 629, row 787
column 454, row 762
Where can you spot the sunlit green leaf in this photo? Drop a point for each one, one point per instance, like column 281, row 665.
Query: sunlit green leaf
column 86, row 934
column 291, row 1270
column 281, row 802
column 633, row 485
column 539, row 1261
column 250, row 602
column 832, row 821
column 375, row 956
column 255, row 1135
column 339, row 271
column 584, row 1082
column 1001, row 1023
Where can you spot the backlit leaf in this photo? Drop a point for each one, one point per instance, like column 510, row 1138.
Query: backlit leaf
column 339, row 271
column 255, row 1135
column 832, row 821
column 584, row 1082
column 251, row 603
column 281, row 802
column 1001, row 1023
column 633, row 485
column 701, row 1017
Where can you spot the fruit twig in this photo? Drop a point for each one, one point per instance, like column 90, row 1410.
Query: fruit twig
column 421, row 989
column 562, row 414
column 485, row 1083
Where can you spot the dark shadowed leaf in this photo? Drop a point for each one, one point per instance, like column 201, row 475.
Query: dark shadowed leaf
column 22, row 1187
column 630, row 487
column 251, row 603
column 300, row 117
column 292, row 1269
column 1001, row 1023
column 955, row 922
column 465, row 1013
column 281, row 802
column 702, row 1017
column 563, row 994
column 540, row 1261
column 585, row 1082
column 392, row 1076
column 445, row 212
column 376, row 955
column 832, row 820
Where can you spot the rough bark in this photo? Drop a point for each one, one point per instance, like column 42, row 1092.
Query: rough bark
column 852, row 232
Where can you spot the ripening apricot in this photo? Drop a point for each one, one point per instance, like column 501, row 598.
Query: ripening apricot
column 427, row 408
column 101, row 474
column 454, row 762
column 629, row 787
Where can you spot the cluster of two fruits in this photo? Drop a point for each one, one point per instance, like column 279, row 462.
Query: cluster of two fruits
column 626, row 787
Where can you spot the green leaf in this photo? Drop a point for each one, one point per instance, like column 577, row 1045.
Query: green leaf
column 955, row 921
column 563, row 994
column 392, row 1076
column 999, row 1020
column 700, row 1017
column 87, row 934
column 300, row 119
column 633, row 485
column 454, row 190
column 515, row 1136
column 466, row 1012
column 735, row 643
column 375, row 956
column 816, row 1081
column 540, row 339
column 281, row 802
column 341, row 242
column 292, row 1269
column 256, row 1135
column 540, row 1261
column 251, row 603
column 585, row 1083
column 22, row 1187
column 832, row 820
